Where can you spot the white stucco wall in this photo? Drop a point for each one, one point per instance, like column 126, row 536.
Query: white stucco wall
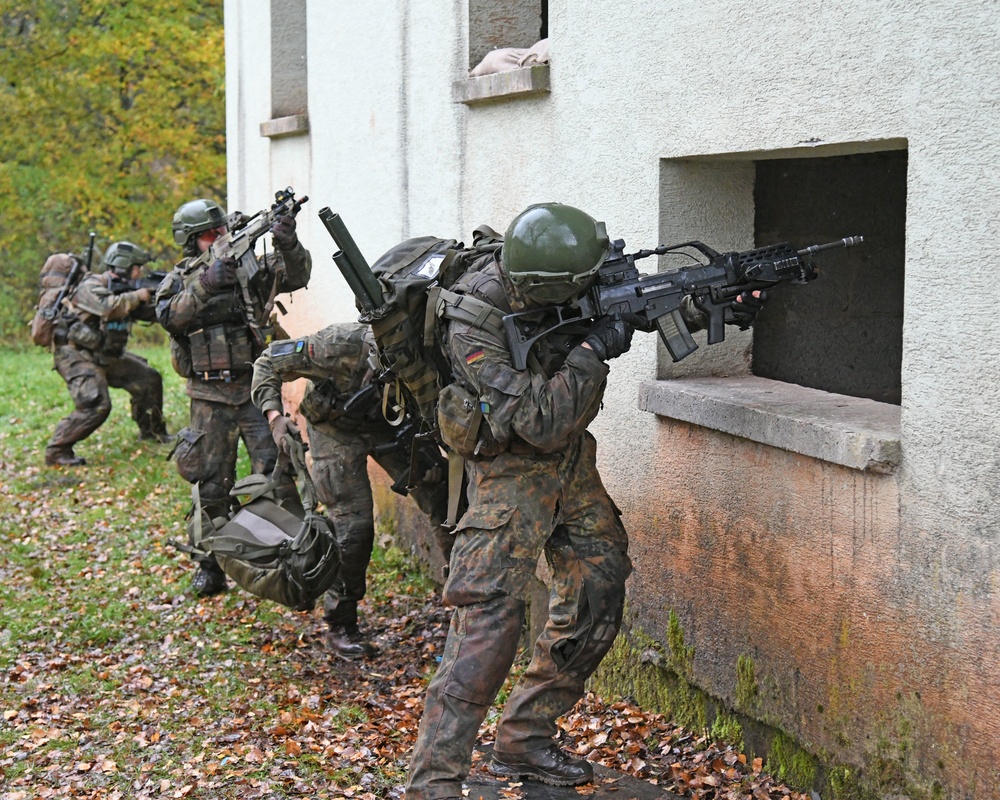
column 644, row 99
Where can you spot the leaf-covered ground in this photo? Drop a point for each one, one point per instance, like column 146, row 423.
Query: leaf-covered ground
column 116, row 683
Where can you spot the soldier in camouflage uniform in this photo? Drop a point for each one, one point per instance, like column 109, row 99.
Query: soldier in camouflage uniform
column 89, row 346
column 345, row 425
column 533, row 488
column 213, row 346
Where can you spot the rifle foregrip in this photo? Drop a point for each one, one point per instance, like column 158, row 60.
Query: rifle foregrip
column 716, row 324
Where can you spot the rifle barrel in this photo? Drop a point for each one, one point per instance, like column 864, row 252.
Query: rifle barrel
column 849, row 241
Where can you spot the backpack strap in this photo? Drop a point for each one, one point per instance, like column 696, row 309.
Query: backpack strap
column 456, row 471
column 196, row 531
column 303, row 481
column 445, row 304
column 394, row 401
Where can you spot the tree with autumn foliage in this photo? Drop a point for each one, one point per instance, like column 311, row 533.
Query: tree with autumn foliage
column 115, row 115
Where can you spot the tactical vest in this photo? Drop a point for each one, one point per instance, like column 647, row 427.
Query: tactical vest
column 219, row 344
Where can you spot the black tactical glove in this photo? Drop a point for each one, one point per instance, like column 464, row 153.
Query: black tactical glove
column 282, row 426
column 610, row 337
column 743, row 310
column 220, row 276
column 283, row 231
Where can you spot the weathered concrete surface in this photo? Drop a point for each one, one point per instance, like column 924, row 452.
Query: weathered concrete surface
column 800, row 569
column 851, row 431
column 524, row 81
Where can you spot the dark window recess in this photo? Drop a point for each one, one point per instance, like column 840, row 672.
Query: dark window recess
column 843, row 332
column 289, row 65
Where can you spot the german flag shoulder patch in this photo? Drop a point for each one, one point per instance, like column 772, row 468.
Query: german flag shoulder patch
column 475, row 356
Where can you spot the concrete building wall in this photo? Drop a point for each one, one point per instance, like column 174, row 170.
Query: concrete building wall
column 851, row 559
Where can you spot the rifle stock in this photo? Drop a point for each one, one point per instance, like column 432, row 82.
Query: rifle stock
column 653, row 302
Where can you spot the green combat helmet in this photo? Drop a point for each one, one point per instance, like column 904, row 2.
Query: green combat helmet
column 122, row 256
column 552, row 251
column 195, row 217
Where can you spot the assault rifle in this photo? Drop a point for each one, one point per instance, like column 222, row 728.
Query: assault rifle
column 237, row 243
column 150, row 280
column 79, row 266
column 425, row 456
column 653, row 302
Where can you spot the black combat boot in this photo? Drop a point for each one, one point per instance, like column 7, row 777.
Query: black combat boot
column 63, row 457
column 551, row 766
column 349, row 643
column 209, row 579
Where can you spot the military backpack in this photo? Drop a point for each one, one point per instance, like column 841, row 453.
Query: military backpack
column 57, row 279
column 267, row 549
column 416, row 276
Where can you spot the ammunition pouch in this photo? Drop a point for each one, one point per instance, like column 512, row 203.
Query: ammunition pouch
column 180, row 356
column 81, row 335
column 460, row 420
column 319, row 402
column 221, row 349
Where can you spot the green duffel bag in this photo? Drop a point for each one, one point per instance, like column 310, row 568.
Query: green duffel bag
column 271, row 551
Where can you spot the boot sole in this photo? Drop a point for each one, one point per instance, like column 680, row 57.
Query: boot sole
column 513, row 773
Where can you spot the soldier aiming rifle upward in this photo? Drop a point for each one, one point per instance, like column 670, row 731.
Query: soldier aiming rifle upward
column 216, row 304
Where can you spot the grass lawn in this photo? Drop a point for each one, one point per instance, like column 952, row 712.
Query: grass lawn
column 114, row 681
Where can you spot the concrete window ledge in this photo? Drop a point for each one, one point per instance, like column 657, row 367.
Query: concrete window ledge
column 295, row 125
column 523, row 82
column 851, row 431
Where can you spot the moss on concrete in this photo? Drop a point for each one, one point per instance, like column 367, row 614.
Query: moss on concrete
column 727, row 728
column 788, row 762
column 681, row 656
column 654, row 677
column 659, row 676
column 747, row 690
column 845, row 784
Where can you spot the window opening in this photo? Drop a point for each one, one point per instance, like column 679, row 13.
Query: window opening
column 288, row 58
column 516, row 23
column 842, row 333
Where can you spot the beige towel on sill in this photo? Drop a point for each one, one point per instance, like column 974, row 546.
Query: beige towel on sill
column 504, row 59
